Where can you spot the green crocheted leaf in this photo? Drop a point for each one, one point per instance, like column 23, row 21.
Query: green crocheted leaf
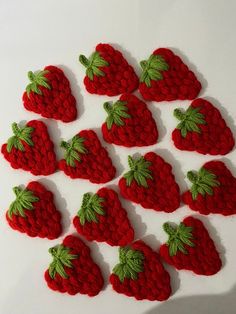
column 20, row 135
column 73, row 150
column 116, row 112
column 91, row 208
column 93, row 64
column 37, row 79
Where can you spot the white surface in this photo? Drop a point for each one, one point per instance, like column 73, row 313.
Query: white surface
column 37, row 33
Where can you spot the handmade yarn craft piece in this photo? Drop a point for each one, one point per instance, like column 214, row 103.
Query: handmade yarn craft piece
column 140, row 274
column 213, row 190
column 31, row 149
column 73, row 270
column 49, row 94
column 150, row 183
column 102, row 218
column 202, row 129
column 108, row 72
column 190, row 247
column 129, row 123
column 33, row 212
column 165, row 77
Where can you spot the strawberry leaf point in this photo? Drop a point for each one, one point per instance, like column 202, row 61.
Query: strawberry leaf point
column 73, row 150
column 37, row 79
column 93, row 64
column 20, row 135
column 117, row 113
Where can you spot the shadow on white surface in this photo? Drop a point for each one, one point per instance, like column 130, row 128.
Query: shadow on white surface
column 230, row 165
column 156, row 113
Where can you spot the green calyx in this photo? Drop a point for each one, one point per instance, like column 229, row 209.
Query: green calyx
column 20, row 135
column 179, row 238
column 203, row 182
column 37, row 79
column 139, row 171
column 152, row 69
column 24, row 201
column 131, row 263
column 73, row 149
column 189, row 120
column 116, row 113
column 61, row 258
column 93, row 64
column 91, row 208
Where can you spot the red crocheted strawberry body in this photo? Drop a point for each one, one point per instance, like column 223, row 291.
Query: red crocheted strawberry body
column 201, row 257
column 129, row 123
column 161, row 192
column 52, row 97
column 41, row 218
column 102, row 218
column 152, row 281
column 31, row 149
column 108, row 72
column 207, row 133
column 73, row 270
column 90, row 162
column 221, row 198
column 165, row 78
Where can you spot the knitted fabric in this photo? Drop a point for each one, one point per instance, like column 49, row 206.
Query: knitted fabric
column 161, row 192
column 201, row 256
column 49, row 94
column 73, row 269
column 93, row 162
column 202, row 129
column 217, row 199
column 108, row 72
column 165, row 78
column 40, row 218
column 152, row 282
column 131, row 123
column 31, row 149
column 102, row 218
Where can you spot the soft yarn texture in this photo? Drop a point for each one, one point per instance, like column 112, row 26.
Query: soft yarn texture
column 33, row 151
column 41, row 219
column 207, row 132
column 165, row 78
column 104, row 220
column 79, row 273
column 132, row 123
column 53, row 99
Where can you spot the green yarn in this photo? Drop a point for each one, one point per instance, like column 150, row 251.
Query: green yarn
column 73, row 149
column 91, row 207
column 20, row 134
column 92, row 64
column 116, row 112
column 37, row 79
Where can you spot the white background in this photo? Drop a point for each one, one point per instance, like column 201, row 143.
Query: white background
column 34, row 34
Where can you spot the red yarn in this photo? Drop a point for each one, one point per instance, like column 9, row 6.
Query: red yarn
column 57, row 102
column 153, row 283
column 138, row 130
column 83, row 277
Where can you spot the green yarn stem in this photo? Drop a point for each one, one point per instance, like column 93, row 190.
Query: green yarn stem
column 117, row 113
column 20, row 135
column 73, row 150
column 93, row 64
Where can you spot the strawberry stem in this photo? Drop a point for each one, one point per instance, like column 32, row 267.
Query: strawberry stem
column 37, row 79
column 117, row 113
column 21, row 135
column 73, row 150
column 93, row 64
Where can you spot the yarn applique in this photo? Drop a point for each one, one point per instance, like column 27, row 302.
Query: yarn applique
column 102, row 218
column 85, row 158
column 140, row 274
column 202, row 129
column 190, row 247
column 150, row 183
column 165, row 78
column 73, row 269
column 31, row 149
column 108, row 72
column 49, row 94
column 129, row 123
column 213, row 190
column 33, row 212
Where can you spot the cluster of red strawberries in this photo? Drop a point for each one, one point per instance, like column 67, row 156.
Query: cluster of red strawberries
column 149, row 181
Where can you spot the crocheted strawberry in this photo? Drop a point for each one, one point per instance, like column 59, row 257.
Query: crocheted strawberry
column 31, row 149
column 213, row 190
column 108, row 73
column 73, row 269
column 190, row 247
column 140, row 274
column 129, row 123
column 85, row 158
column 33, row 212
column 202, row 129
column 49, row 94
column 150, row 183
column 102, row 218
column 165, row 77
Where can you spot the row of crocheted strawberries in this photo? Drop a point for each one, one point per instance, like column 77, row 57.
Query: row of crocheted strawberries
column 164, row 77
column 102, row 218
